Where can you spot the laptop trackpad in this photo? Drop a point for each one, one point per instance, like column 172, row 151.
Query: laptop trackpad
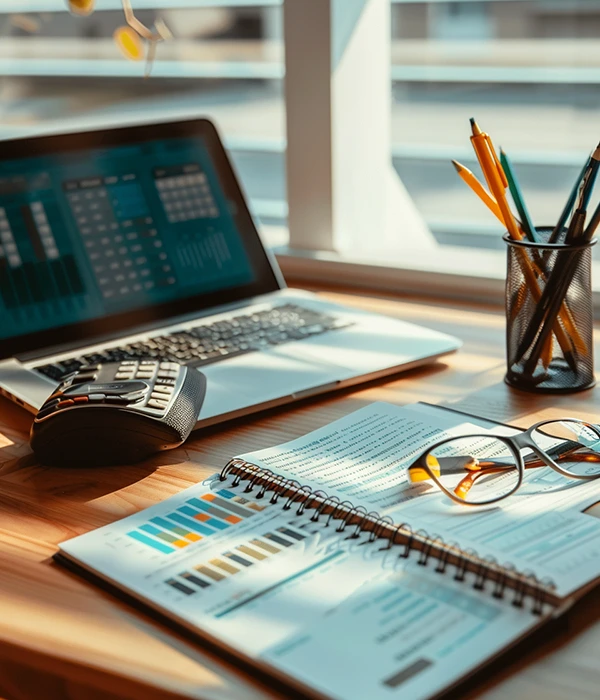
column 259, row 377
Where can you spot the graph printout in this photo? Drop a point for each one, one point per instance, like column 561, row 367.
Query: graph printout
column 346, row 617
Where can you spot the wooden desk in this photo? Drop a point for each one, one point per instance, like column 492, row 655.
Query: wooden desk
column 60, row 636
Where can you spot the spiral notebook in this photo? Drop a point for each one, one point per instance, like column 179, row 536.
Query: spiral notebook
column 311, row 562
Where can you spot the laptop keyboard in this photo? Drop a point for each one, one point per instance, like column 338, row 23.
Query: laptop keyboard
column 212, row 342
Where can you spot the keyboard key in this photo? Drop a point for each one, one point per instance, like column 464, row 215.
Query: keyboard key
column 165, row 390
column 167, row 375
column 55, row 372
column 173, row 366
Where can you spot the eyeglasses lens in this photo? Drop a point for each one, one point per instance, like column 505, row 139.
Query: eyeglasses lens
column 574, row 446
column 477, row 469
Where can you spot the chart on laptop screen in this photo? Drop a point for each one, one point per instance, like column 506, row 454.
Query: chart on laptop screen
column 90, row 234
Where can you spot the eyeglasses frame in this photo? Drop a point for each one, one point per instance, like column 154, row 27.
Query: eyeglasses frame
column 515, row 443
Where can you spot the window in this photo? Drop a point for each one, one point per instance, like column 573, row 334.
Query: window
column 225, row 61
column 528, row 70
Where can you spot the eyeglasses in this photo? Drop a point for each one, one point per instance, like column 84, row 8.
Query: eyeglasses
column 482, row 469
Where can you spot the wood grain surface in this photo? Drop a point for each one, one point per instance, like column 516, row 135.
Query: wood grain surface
column 60, row 637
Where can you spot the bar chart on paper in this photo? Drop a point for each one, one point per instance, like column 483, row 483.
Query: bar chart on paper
column 241, row 557
column 215, row 545
column 196, row 519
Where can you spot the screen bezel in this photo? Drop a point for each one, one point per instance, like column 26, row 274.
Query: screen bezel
column 266, row 280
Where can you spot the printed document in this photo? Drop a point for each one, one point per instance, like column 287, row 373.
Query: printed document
column 338, row 616
column 363, row 458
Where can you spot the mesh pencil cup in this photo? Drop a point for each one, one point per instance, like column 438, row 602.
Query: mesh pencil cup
column 549, row 320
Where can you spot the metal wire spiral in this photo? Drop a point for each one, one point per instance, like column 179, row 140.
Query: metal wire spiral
column 525, row 584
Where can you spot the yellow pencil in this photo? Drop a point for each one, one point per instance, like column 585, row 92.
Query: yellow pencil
column 494, row 175
column 471, row 181
column 495, row 178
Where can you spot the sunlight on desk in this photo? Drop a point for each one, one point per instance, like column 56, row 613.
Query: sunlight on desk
column 5, row 441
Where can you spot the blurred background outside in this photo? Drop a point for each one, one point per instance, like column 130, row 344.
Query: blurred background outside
column 528, row 70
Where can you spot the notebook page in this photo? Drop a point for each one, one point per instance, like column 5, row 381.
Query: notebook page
column 363, row 458
column 543, row 528
column 208, row 556
column 291, row 592
column 404, row 633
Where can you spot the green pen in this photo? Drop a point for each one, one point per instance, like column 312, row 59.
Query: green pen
column 517, row 195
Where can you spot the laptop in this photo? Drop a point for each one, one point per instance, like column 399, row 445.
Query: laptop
column 138, row 242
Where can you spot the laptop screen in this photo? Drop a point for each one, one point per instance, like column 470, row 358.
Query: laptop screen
column 91, row 238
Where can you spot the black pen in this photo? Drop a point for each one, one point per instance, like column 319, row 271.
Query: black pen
column 593, row 225
column 558, row 282
column 579, row 182
column 589, row 178
column 557, row 285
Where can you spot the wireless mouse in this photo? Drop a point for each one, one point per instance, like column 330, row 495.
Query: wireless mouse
column 118, row 413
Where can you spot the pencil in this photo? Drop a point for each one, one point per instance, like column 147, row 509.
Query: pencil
column 471, row 181
column 494, row 175
column 517, row 195
column 491, row 169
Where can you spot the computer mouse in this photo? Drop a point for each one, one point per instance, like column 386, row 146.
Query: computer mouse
column 118, row 413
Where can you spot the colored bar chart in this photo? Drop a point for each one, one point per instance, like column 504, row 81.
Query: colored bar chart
column 198, row 518
column 280, row 540
column 196, row 580
column 181, row 587
column 206, row 507
column 268, row 547
column 229, row 495
column 175, row 541
column 291, row 533
column 255, row 554
column 193, row 525
column 210, row 573
column 237, row 559
column 204, row 518
column 176, row 529
column 229, row 568
column 233, row 561
column 140, row 537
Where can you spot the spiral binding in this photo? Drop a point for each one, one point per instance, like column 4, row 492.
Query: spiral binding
column 505, row 577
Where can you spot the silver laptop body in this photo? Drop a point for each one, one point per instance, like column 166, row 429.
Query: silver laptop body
column 137, row 241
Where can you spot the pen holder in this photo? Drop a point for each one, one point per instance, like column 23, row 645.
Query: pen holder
column 549, row 321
